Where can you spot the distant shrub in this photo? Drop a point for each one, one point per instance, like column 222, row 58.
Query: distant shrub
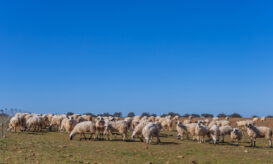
column 206, row 115
column 173, row 114
column 164, row 115
column 117, row 114
column 235, row 115
column 195, row 115
column 145, row 114
column 69, row 113
column 131, row 114
column 254, row 116
column 269, row 116
column 222, row 115
column 186, row 115
column 153, row 114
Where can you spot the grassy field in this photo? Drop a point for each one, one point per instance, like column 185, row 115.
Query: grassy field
column 55, row 147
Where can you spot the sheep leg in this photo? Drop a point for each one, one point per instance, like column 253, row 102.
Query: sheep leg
column 84, row 136
column 80, row 136
column 270, row 143
column 254, row 142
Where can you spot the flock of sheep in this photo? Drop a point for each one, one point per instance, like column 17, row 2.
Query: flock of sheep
column 145, row 127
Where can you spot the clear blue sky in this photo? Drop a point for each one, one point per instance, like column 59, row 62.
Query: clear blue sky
column 156, row 56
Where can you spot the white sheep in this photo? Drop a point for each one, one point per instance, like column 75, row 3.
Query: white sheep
column 191, row 130
column 120, row 126
column 34, row 123
column 201, row 131
column 14, row 124
column 259, row 132
column 68, row 124
column 167, row 124
column 255, row 119
column 150, row 131
column 214, row 133
column 181, row 130
column 225, row 130
column 138, row 130
column 236, row 135
column 82, row 128
column 100, row 127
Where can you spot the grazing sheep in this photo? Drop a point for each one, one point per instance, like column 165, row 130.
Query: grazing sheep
column 225, row 130
column 34, row 123
column 68, row 124
column 181, row 130
column 227, row 118
column 120, row 126
column 215, row 119
column 236, row 135
column 14, row 123
column 201, row 131
column 138, row 130
column 22, row 120
column 150, row 131
column 82, row 128
column 259, row 132
column 75, row 116
column 214, row 133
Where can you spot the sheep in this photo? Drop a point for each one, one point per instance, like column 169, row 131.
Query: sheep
column 227, row 118
column 135, row 122
column 82, row 128
column 81, row 119
column 75, row 116
column 243, row 124
column 225, row 130
column 22, row 120
column 167, row 124
column 259, row 132
column 151, row 119
column 201, row 131
column 34, row 123
column 181, row 130
column 157, row 118
column 14, row 123
column 56, row 121
column 150, row 131
column 120, row 126
column 188, row 121
column 214, row 133
column 191, row 130
column 215, row 119
column 45, row 121
column 236, row 135
column 255, row 119
column 138, row 130
column 129, row 121
column 68, row 124
column 263, row 119
column 87, row 117
column 100, row 127
column 223, row 122
column 159, row 125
